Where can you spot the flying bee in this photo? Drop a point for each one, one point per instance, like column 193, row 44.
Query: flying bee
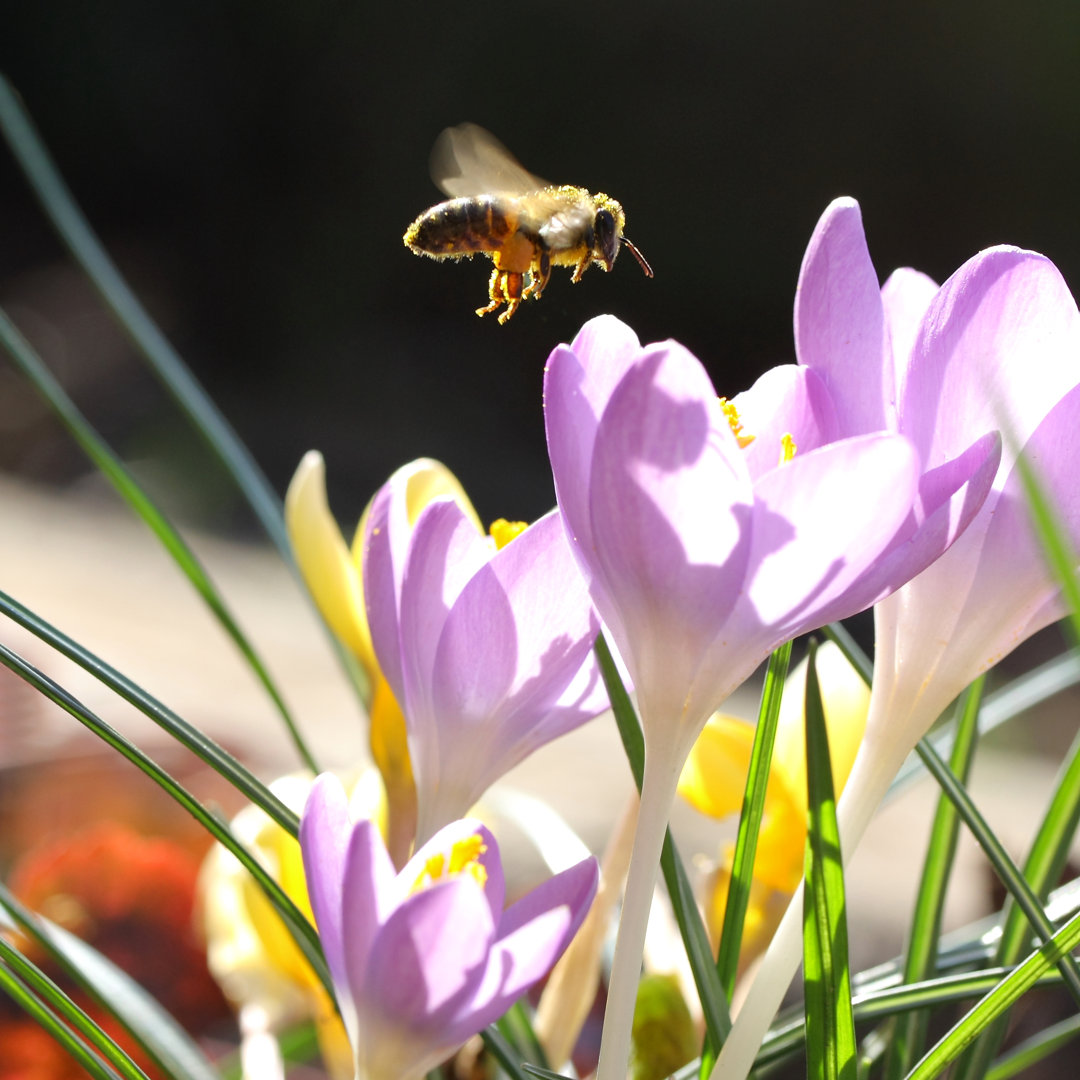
column 523, row 223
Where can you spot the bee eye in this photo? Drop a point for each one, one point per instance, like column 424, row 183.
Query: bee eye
column 606, row 237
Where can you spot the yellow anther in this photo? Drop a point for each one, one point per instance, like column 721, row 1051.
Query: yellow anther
column 731, row 414
column 464, row 859
column 503, row 531
column 788, row 448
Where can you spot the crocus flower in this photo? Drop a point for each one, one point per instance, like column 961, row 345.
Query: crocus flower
column 714, row 778
column 333, row 574
column 250, row 952
column 423, row 959
column 998, row 345
column 489, row 651
column 701, row 558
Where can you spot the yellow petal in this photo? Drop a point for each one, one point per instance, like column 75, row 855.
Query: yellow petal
column 329, row 571
column 714, row 776
column 390, row 751
column 766, row 908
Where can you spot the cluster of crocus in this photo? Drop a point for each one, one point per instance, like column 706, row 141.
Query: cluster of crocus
column 699, row 534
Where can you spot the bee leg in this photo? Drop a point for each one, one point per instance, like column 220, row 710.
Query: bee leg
column 581, row 268
column 540, row 272
column 505, row 287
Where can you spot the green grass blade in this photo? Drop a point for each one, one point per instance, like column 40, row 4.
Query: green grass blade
column 830, row 1025
column 909, row 1034
column 503, row 1052
column 74, row 230
column 61, row 1005
column 30, row 364
column 999, row 1000
column 187, row 735
column 54, row 1027
column 154, row 1029
column 753, row 810
column 1006, row 869
column 302, row 931
column 714, row 1004
column 1032, row 1051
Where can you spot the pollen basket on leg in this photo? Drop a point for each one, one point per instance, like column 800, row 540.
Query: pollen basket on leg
column 731, row 414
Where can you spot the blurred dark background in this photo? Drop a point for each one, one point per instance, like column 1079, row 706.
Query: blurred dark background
column 252, row 167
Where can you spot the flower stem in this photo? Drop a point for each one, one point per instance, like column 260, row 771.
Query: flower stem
column 869, row 780
column 657, row 795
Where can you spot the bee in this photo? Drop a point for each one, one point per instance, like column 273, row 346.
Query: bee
column 523, row 223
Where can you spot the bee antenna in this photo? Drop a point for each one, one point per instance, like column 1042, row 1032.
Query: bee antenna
column 642, row 261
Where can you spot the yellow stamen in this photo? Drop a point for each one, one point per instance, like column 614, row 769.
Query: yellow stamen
column 788, row 449
column 731, row 414
column 464, row 859
column 503, row 531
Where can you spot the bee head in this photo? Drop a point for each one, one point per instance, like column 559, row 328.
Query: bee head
column 607, row 230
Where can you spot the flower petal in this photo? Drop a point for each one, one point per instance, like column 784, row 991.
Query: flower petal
column 714, row 776
column 906, row 296
column 511, row 647
column 324, row 560
column 669, row 502
column 530, row 937
column 840, row 330
column 325, row 829
column 786, row 400
column 997, row 349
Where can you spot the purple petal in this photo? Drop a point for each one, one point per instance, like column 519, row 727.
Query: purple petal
column 906, row 296
column 670, row 502
column 578, row 381
column 513, row 643
column 325, row 829
column 997, row 349
column 786, row 400
column 840, row 328
column 531, row 936
column 429, row 958
column 446, row 551
column 369, row 899
column 381, row 590
column 821, row 522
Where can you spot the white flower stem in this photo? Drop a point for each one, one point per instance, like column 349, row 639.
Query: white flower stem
column 657, row 794
column 869, row 780
column 260, row 1054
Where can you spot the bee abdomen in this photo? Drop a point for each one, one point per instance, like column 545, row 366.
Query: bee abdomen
column 461, row 227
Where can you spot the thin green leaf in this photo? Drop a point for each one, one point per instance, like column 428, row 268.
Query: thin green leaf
column 909, row 1034
column 54, row 1027
column 1006, row 869
column 187, row 735
column 830, row 1026
column 516, row 1026
column 1033, row 1050
column 714, row 1004
column 1001, row 998
column 500, row 1049
column 753, row 811
column 302, row 931
column 55, row 999
column 66, row 217
column 30, row 364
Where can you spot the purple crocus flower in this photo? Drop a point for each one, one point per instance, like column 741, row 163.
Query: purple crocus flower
column 489, row 653
column 702, row 557
column 998, row 345
column 423, row 959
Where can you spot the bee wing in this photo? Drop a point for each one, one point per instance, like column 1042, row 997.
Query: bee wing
column 467, row 160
